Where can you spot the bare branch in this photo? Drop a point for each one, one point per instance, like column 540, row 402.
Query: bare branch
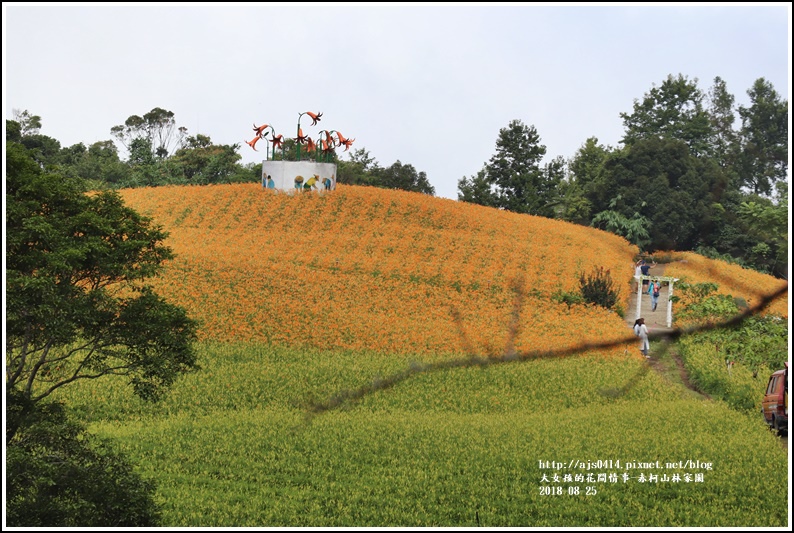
column 346, row 396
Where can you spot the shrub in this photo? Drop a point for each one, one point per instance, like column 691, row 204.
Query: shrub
column 568, row 298
column 598, row 288
column 59, row 475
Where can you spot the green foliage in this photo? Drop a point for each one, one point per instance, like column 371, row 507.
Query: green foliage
column 764, row 139
column 634, row 229
column 567, row 298
column 737, row 385
column 157, row 129
column 673, row 110
column 405, row 177
column 77, row 306
column 231, row 446
column 598, row 288
column 359, row 169
column 363, row 169
column 477, row 190
column 202, row 162
column 758, row 342
column 59, row 475
column 513, row 178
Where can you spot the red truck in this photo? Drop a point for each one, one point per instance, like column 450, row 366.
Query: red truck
column 774, row 406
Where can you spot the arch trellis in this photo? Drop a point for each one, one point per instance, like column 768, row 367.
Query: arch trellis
column 670, row 281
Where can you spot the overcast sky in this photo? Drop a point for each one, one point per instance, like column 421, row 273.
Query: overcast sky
column 430, row 86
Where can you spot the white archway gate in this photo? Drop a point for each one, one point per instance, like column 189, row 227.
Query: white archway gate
column 670, row 281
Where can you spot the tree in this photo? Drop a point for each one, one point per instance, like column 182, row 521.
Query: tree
column 768, row 222
column 60, row 475
column 158, row 127
column 514, row 172
column 764, row 139
column 360, row 168
column 674, row 111
column 101, row 164
column 554, row 174
column 405, row 177
column 634, row 229
column 587, row 173
column 77, row 306
column 722, row 116
column 29, row 124
column 202, row 162
column 477, row 190
column 659, row 179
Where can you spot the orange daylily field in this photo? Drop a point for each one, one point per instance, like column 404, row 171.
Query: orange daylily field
column 362, row 267
column 369, row 268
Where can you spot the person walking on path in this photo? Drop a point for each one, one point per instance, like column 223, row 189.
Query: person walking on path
column 643, row 334
column 653, row 290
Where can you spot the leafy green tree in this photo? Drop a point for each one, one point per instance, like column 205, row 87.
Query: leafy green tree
column 764, row 139
column 673, row 110
column 359, row 169
column 477, row 190
column 768, row 222
column 28, row 124
column 101, row 164
column 634, row 229
column 202, row 162
column 13, row 131
column 554, row 178
column 77, row 305
column 405, row 177
column 589, row 187
column 45, row 150
column 659, row 179
column 158, row 127
column 60, row 475
column 722, row 114
column 515, row 173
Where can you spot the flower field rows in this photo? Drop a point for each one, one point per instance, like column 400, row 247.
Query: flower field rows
column 379, row 269
column 231, row 447
column 731, row 279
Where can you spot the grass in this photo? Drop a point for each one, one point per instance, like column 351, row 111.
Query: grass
column 233, row 446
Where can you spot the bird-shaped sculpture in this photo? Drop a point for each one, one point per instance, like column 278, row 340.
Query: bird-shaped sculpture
column 315, row 118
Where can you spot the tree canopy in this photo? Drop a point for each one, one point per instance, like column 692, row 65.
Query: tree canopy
column 77, row 305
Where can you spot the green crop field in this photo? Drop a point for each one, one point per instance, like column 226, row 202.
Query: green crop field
column 233, row 445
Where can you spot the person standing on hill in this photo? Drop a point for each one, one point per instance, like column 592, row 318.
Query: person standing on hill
column 645, row 268
column 638, row 272
column 644, row 344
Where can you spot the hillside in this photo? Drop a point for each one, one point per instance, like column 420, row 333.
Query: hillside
column 380, row 269
column 307, row 298
column 731, row 279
